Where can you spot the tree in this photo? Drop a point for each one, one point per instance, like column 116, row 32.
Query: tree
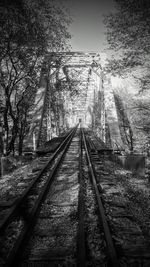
column 124, row 123
column 29, row 29
column 142, row 119
column 128, row 40
column 128, row 35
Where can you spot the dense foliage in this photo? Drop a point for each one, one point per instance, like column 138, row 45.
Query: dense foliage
column 128, row 39
column 28, row 29
column 128, row 35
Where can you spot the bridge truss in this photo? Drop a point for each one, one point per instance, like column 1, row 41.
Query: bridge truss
column 71, row 82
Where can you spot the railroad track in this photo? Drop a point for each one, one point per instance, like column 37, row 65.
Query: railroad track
column 66, row 223
column 59, row 225
column 15, row 219
column 111, row 251
column 130, row 247
column 38, row 175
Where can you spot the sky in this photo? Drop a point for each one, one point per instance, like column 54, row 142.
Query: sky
column 87, row 28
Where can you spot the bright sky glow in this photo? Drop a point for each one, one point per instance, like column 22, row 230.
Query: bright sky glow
column 87, row 27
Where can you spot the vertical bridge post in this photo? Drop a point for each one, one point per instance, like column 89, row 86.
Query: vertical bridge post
column 103, row 130
column 45, row 116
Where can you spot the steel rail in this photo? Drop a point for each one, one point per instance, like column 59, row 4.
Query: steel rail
column 15, row 254
column 15, row 209
column 109, row 241
column 81, row 250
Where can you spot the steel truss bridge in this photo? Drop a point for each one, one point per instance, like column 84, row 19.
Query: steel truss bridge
column 72, row 87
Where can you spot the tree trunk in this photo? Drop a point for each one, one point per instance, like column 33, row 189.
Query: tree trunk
column 6, row 125
column 131, row 140
column 11, row 146
column 20, row 145
column 21, row 136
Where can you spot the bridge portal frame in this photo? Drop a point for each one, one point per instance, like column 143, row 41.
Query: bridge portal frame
column 53, row 62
